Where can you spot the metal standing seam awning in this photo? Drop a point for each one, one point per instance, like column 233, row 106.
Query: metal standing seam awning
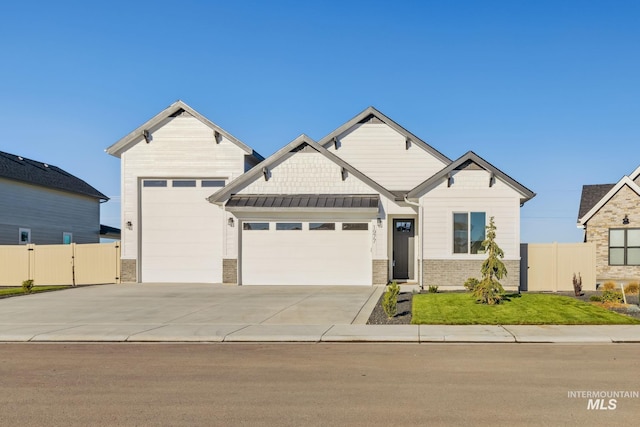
column 364, row 203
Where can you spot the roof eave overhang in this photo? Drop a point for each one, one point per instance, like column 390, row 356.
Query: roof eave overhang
column 137, row 135
column 624, row 181
column 422, row 188
column 225, row 193
column 391, row 123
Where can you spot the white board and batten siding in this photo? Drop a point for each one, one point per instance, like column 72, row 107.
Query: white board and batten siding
column 48, row 213
column 180, row 147
column 380, row 152
column 470, row 192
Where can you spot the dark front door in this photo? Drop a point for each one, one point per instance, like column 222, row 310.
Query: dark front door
column 403, row 259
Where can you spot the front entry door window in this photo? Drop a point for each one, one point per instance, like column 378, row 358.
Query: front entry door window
column 403, row 249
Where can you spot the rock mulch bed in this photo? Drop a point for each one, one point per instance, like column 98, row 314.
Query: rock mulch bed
column 378, row 316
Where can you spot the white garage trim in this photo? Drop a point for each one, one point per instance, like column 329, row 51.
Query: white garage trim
column 291, row 252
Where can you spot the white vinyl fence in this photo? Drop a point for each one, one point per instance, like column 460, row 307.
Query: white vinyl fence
column 74, row 264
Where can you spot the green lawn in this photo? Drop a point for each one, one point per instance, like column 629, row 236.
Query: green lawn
column 526, row 309
column 18, row 290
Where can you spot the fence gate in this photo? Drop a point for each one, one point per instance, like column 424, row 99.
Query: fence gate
column 79, row 264
column 551, row 266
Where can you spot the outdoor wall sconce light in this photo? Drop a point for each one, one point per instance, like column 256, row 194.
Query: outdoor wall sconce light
column 231, row 222
column 379, row 222
column 129, row 225
column 147, row 136
column 625, row 220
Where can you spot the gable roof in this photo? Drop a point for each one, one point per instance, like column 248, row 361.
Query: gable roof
column 137, row 135
column 301, row 141
column 470, row 156
column 625, row 181
column 33, row 172
column 592, row 194
column 369, row 112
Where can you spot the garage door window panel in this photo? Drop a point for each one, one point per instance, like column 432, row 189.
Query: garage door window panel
column 288, row 226
column 212, row 183
column 154, row 183
column 355, row 226
column 255, row 226
column 184, row 183
column 322, row 226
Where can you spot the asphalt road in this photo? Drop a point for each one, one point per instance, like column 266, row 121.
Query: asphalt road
column 315, row 384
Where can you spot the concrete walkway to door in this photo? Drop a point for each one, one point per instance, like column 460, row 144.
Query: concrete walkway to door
column 181, row 312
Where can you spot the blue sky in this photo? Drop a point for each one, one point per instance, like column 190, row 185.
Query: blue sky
column 547, row 91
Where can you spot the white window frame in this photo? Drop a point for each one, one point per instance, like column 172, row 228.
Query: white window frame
column 24, row 230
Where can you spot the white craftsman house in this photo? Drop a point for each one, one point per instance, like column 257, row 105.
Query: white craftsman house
column 368, row 203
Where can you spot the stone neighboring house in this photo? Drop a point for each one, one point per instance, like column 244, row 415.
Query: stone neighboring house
column 43, row 204
column 368, row 203
column 610, row 217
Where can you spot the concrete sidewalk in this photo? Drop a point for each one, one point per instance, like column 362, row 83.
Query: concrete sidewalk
column 318, row 333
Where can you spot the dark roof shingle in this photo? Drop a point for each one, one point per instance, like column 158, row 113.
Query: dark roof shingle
column 591, row 195
column 37, row 173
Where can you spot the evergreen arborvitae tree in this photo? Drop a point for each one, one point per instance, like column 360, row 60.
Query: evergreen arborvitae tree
column 489, row 290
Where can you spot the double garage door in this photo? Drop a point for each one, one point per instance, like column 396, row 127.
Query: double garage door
column 181, row 233
column 305, row 253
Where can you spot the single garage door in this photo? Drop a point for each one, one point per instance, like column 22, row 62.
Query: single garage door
column 181, row 233
column 306, row 253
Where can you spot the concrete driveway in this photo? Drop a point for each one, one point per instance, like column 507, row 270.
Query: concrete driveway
column 157, row 312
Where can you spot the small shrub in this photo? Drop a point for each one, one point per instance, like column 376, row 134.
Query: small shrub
column 433, row 289
column 595, row 298
column 27, row 286
column 489, row 292
column 632, row 288
column 390, row 300
column 577, row 284
column 611, row 296
column 609, row 286
column 471, row 283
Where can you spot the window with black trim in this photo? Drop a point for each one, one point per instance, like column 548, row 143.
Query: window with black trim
column 469, row 232
column 255, row 225
column 624, row 246
column 355, row 226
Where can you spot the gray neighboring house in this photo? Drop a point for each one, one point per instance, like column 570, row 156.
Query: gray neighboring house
column 43, row 204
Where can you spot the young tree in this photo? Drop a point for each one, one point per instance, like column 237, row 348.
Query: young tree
column 489, row 290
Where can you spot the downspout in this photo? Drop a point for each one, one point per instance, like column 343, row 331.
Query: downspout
column 420, row 246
